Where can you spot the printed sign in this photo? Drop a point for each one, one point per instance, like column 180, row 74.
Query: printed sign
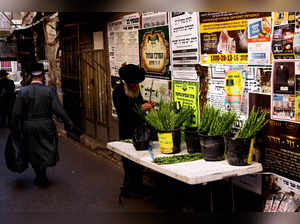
column 224, row 36
column 187, row 94
column 154, row 52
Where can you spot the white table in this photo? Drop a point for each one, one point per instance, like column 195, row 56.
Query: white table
column 194, row 172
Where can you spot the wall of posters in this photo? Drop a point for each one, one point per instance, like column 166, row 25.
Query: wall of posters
column 152, row 19
column 184, row 44
column 155, row 52
column 283, row 35
column 224, row 36
column 285, row 90
column 156, row 89
column 187, row 94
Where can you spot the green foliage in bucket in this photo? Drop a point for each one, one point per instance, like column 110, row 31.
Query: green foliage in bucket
column 255, row 122
column 222, row 123
column 214, row 122
column 166, row 117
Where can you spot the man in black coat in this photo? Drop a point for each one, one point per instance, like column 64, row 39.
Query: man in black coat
column 126, row 96
column 7, row 94
column 35, row 106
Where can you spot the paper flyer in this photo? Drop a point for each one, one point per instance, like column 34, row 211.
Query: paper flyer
column 283, row 35
column 185, row 44
column 224, row 36
column 153, row 19
column 187, row 94
column 285, row 90
column 160, row 90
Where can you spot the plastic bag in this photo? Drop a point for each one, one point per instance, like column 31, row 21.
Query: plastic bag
column 141, row 137
column 15, row 155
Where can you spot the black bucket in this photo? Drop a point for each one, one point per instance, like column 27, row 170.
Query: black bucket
column 212, row 147
column 237, row 150
column 174, row 136
column 192, row 140
column 140, row 146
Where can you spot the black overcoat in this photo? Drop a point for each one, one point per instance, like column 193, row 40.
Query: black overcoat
column 128, row 118
column 35, row 106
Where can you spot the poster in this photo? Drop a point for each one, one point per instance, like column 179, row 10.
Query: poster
column 283, row 35
column 285, row 90
column 224, row 36
column 296, row 45
column 131, row 22
column 112, row 28
column 234, row 87
column 187, row 94
column 184, row 44
column 160, row 90
column 259, row 40
column 155, row 52
column 153, row 19
column 122, row 44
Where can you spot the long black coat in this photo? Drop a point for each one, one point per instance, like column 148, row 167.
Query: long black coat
column 35, row 106
column 7, row 94
column 128, row 118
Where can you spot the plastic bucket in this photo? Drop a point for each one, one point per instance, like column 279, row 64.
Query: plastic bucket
column 140, row 146
column 212, row 147
column 238, row 150
column 192, row 140
column 169, row 141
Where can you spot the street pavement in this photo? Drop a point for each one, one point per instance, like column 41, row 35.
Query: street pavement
column 83, row 183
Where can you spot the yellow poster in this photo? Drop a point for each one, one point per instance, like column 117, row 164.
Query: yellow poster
column 186, row 94
column 224, row 36
column 234, row 83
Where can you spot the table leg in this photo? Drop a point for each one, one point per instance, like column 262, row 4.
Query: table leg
column 232, row 196
column 211, row 197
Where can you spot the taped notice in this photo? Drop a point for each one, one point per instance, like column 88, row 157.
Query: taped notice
column 165, row 142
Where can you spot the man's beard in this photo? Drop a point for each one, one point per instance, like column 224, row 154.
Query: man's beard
column 131, row 93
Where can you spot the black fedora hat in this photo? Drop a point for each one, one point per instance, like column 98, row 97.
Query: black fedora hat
column 132, row 73
column 3, row 73
column 37, row 69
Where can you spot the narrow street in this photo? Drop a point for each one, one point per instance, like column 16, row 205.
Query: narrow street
column 81, row 182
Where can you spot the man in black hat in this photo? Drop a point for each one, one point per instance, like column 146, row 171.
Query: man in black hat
column 7, row 89
column 35, row 105
column 126, row 96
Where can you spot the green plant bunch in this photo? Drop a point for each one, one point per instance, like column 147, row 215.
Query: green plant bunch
column 166, row 117
column 223, row 123
column 255, row 122
column 215, row 122
column 207, row 117
column 178, row 158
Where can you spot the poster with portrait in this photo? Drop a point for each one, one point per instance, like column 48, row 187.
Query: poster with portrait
column 285, row 90
column 155, row 52
column 224, row 36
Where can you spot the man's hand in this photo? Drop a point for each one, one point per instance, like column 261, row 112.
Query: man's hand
column 148, row 106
